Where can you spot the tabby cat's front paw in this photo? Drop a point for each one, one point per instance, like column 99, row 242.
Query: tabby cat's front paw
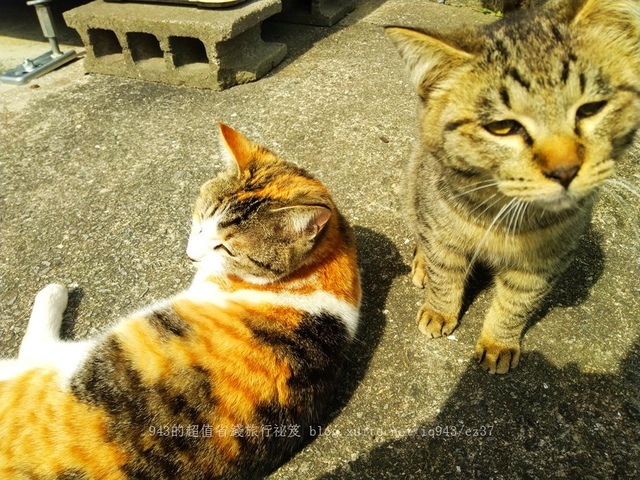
column 434, row 324
column 418, row 268
column 496, row 357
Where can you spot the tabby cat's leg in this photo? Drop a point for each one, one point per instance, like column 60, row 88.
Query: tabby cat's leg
column 442, row 272
column 418, row 267
column 44, row 323
column 517, row 295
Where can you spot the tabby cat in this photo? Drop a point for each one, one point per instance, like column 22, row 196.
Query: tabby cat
column 520, row 122
column 222, row 381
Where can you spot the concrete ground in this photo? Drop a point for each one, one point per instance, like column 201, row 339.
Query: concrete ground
column 98, row 178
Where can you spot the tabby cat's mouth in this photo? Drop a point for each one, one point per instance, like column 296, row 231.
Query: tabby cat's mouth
column 559, row 203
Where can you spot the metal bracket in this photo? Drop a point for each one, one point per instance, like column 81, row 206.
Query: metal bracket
column 31, row 69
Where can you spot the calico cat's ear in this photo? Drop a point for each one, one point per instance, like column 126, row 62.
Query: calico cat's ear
column 302, row 221
column 428, row 58
column 237, row 150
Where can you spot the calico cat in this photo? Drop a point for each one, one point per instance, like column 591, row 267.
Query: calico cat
column 521, row 122
column 222, row 381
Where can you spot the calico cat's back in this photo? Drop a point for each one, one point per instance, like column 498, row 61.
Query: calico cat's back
column 225, row 379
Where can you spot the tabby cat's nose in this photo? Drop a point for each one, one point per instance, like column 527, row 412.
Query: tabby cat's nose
column 559, row 157
column 564, row 176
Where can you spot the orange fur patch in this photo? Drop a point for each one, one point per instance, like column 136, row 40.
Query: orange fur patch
column 243, row 372
column 45, row 431
column 333, row 268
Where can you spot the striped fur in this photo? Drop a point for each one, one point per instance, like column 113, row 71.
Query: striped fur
column 521, row 122
column 222, row 381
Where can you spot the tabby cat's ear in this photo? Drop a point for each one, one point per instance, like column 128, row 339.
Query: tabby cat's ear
column 427, row 58
column 237, row 150
column 614, row 21
column 302, row 221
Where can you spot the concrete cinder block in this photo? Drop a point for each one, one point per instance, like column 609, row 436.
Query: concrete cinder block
column 323, row 13
column 178, row 45
column 495, row 5
column 501, row 5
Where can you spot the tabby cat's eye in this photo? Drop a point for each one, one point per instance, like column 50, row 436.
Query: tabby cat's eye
column 503, row 127
column 590, row 109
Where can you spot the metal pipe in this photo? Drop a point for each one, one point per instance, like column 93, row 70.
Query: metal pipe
column 46, row 24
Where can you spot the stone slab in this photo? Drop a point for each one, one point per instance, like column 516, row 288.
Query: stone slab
column 178, row 45
column 494, row 5
column 323, row 13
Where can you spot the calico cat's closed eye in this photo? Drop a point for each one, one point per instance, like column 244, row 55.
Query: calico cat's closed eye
column 590, row 109
column 223, row 248
column 502, row 128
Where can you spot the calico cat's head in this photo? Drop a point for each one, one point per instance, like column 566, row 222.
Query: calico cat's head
column 538, row 105
column 258, row 220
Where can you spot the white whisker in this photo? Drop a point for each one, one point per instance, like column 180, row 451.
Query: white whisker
column 511, row 220
column 618, row 198
column 625, row 186
column 517, row 218
column 525, row 207
column 485, row 203
column 500, row 215
column 477, row 186
column 520, row 214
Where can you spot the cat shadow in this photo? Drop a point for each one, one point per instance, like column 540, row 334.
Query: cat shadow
column 507, row 6
column 540, row 421
column 575, row 284
column 300, row 38
column 380, row 263
column 572, row 288
column 70, row 315
column 21, row 21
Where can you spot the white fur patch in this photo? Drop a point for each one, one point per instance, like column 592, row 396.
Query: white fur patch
column 202, row 237
column 63, row 357
column 314, row 303
column 41, row 346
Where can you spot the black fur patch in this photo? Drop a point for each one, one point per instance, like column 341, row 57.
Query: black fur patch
column 106, row 379
column 564, row 76
column 513, row 73
column 449, row 127
column 583, row 82
column 502, row 50
column 72, row 475
column 504, row 95
column 464, row 172
column 240, row 211
column 630, row 89
column 316, row 352
column 143, row 417
column 168, row 323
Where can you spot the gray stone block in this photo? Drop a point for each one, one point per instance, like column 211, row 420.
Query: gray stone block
column 501, row 5
column 178, row 45
column 495, row 5
column 323, row 13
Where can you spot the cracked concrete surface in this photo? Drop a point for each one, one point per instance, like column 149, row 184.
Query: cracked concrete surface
column 98, row 178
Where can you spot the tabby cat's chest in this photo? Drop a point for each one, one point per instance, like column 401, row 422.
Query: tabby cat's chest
column 503, row 233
